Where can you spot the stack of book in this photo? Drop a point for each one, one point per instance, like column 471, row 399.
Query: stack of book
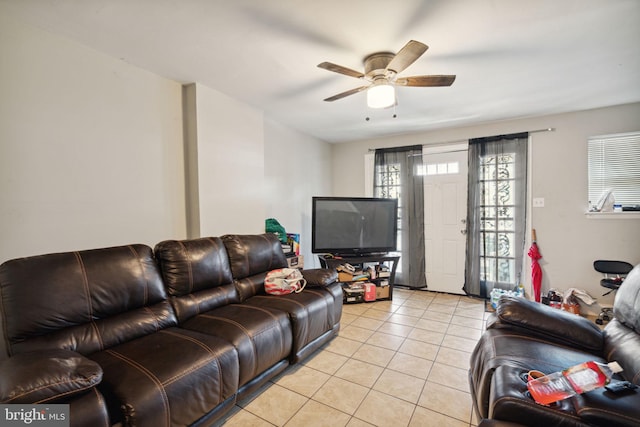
column 348, row 273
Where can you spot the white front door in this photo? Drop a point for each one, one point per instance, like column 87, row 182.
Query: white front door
column 445, row 212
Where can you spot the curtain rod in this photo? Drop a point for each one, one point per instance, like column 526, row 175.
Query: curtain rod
column 457, row 141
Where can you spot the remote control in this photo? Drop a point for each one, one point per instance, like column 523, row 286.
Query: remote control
column 620, row 386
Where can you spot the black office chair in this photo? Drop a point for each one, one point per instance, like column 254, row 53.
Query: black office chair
column 614, row 274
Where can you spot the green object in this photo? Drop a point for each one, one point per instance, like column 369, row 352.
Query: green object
column 273, row 226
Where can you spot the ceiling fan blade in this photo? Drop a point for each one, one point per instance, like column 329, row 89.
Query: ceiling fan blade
column 423, row 81
column 407, row 56
column 340, row 69
column 345, row 94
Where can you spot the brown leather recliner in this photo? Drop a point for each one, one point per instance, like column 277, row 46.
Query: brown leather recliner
column 94, row 329
column 314, row 313
column 523, row 335
column 202, row 291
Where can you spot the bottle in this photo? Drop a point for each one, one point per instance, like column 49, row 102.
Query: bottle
column 578, row 379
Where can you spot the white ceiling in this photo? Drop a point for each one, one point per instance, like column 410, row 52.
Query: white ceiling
column 512, row 58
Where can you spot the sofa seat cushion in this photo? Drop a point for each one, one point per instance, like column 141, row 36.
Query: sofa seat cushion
column 601, row 407
column 498, row 347
column 172, row 377
column 261, row 337
column 312, row 314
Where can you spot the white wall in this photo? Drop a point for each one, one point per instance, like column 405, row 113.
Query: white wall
column 92, row 155
column 568, row 239
column 297, row 167
column 230, row 165
column 90, row 148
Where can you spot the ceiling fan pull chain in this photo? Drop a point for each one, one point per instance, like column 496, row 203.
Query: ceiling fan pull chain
column 394, row 106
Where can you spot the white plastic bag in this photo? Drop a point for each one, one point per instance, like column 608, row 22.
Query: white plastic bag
column 579, row 294
column 606, row 201
column 283, row 281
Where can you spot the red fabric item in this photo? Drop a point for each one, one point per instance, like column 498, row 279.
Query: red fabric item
column 536, row 271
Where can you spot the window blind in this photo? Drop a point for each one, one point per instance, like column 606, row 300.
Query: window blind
column 614, row 163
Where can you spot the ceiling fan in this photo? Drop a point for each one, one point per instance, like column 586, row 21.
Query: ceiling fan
column 381, row 71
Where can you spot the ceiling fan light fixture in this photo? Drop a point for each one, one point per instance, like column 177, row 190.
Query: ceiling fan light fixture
column 381, row 70
column 381, row 95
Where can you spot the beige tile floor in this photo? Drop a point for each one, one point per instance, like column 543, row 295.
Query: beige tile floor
column 395, row 363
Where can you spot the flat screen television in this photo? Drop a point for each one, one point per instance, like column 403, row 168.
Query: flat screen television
column 351, row 226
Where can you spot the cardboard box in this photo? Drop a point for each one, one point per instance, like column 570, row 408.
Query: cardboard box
column 382, row 292
column 296, row 261
column 343, row 276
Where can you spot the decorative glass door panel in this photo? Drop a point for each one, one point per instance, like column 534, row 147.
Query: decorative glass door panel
column 388, row 185
column 497, row 255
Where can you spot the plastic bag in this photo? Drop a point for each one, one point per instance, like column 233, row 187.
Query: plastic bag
column 496, row 293
column 273, row 226
column 284, row 281
column 606, row 201
column 578, row 294
column 570, row 301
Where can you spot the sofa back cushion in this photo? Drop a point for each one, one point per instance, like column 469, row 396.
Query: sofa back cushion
column 83, row 301
column 197, row 275
column 251, row 257
column 622, row 344
column 626, row 306
column 622, row 334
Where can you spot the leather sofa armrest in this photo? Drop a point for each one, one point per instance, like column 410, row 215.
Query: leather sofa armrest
column 45, row 376
column 547, row 323
column 320, row 277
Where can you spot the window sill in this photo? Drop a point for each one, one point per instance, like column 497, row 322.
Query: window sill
column 613, row 215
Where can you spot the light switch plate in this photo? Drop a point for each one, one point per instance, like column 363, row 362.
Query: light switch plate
column 538, row 202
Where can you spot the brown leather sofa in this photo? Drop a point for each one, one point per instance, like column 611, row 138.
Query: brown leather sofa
column 164, row 337
column 523, row 335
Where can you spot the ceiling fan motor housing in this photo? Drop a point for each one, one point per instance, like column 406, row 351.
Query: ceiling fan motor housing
column 375, row 64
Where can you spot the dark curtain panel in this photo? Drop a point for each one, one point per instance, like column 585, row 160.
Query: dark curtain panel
column 496, row 216
column 395, row 177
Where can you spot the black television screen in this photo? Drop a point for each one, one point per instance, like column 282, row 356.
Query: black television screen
column 353, row 225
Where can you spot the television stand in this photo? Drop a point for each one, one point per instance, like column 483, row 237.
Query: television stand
column 359, row 261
